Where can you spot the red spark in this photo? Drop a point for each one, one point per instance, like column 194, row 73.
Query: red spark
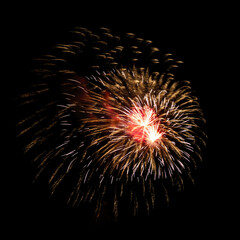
column 143, row 125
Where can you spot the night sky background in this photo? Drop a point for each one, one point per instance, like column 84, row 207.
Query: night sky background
column 192, row 33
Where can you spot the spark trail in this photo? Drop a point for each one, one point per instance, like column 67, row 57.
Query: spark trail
column 108, row 115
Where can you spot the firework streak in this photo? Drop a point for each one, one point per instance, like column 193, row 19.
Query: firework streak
column 109, row 118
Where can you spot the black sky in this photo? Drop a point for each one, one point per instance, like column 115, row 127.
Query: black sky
column 191, row 34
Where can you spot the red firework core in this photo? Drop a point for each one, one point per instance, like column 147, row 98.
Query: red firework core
column 143, row 125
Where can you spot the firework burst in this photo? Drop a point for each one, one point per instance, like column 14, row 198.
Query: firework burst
column 109, row 112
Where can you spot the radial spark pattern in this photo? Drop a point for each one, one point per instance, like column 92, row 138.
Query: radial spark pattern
column 109, row 118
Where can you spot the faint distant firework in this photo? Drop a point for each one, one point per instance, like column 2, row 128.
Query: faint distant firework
column 108, row 117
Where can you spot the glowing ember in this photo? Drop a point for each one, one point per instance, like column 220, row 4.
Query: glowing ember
column 144, row 125
column 153, row 133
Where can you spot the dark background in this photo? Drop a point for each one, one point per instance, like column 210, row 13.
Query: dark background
column 193, row 34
